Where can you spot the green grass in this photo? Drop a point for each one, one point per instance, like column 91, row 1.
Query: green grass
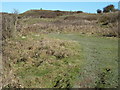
column 100, row 53
column 37, row 20
column 53, row 71
column 94, row 63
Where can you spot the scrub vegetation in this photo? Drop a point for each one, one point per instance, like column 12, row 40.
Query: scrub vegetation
column 60, row 49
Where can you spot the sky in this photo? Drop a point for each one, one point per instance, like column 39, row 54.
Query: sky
column 89, row 7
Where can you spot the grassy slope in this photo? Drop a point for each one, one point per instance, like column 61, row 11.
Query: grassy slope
column 37, row 69
column 101, row 58
column 93, row 65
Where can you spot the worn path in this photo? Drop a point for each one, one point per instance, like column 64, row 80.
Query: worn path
column 100, row 56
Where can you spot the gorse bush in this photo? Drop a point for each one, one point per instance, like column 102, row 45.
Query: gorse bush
column 108, row 8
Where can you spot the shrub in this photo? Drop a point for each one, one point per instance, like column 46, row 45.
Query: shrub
column 104, row 19
column 109, row 18
column 109, row 8
column 8, row 25
column 99, row 11
column 70, row 18
column 57, row 11
column 79, row 11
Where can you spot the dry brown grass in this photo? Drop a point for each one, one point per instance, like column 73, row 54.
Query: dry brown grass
column 69, row 22
column 40, row 51
column 100, row 24
column 43, row 52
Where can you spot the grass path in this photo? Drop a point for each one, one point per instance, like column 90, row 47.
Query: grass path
column 100, row 57
column 92, row 61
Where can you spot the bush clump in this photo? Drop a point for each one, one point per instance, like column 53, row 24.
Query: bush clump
column 109, row 8
column 99, row 11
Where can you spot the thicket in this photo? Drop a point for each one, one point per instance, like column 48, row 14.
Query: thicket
column 8, row 25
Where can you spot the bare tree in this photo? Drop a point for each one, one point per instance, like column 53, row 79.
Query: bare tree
column 15, row 12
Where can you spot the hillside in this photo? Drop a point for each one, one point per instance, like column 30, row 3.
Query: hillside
column 101, row 24
column 46, row 13
column 60, row 49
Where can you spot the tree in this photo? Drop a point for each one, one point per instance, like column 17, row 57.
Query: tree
column 41, row 9
column 8, row 25
column 99, row 11
column 109, row 8
column 15, row 13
